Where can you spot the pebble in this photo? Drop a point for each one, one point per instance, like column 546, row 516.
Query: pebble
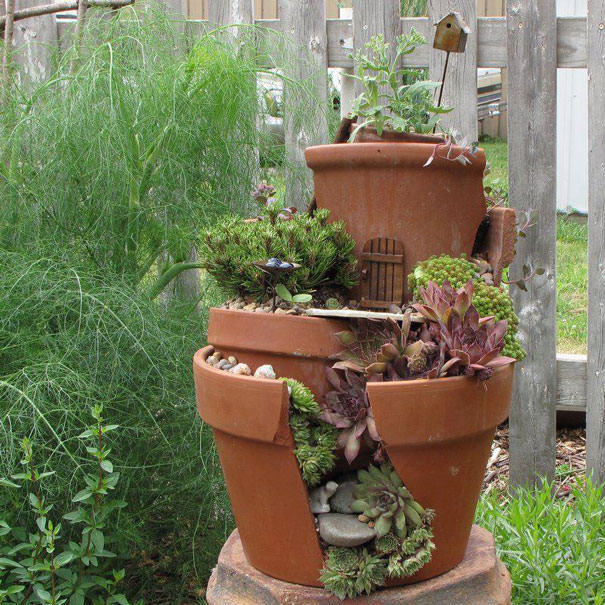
column 249, row 307
column 232, row 359
column 227, row 367
column 265, row 371
column 344, row 530
column 222, row 363
column 343, row 498
column 488, row 278
column 260, row 310
column 280, row 311
column 241, row 369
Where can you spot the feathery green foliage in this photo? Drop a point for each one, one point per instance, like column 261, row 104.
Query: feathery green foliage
column 324, row 251
column 488, row 300
column 315, row 440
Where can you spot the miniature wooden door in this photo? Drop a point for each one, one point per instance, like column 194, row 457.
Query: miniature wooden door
column 381, row 273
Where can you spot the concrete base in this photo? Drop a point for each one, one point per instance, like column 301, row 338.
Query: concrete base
column 481, row 579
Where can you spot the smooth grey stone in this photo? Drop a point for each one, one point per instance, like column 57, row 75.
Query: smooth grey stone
column 344, row 530
column 341, row 501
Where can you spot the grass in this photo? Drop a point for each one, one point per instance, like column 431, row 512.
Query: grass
column 554, row 548
column 572, row 265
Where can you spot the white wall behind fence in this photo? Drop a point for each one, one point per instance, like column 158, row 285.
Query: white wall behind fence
column 572, row 126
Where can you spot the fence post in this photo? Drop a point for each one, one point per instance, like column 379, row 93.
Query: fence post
column 460, row 89
column 532, row 62
column 373, row 17
column 595, row 395
column 305, row 111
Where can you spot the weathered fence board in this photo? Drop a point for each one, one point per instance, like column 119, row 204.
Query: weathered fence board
column 304, row 124
column 222, row 12
column 531, row 116
column 373, row 17
column 595, row 421
column 460, row 88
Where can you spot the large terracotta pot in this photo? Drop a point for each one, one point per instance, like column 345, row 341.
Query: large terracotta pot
column 437, row 434
column 382, row 191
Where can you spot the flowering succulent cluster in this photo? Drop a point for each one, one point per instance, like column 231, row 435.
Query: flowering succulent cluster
column 271, row 208
column 315, row 440
column 488, row 300
column 383, row 500
column 348, row 409
column 403, row 544
column 324, row 250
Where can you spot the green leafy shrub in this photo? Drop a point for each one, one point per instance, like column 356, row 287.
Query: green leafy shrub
column 38, row 564
column 553, row 548
column 324, row 250
column 489, row 300
column 70, row 339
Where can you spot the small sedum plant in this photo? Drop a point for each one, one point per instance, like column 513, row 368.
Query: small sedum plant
column 394, row 97
column 324, row 250
column 38, row 564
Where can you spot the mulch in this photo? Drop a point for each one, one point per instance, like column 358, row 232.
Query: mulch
column 570, row 460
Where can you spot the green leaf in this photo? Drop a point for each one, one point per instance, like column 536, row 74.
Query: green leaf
column 85, row 434
column 64, row 558
column 4, row 562
column 42, row 594
column 98, row 539
column 283, row 292
column 33, row 499
column 302, row 298
column 82, row 495
column 7, row 483
column 107, row 466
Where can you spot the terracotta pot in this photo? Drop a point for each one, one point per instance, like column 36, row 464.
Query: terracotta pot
column 383, row 192
column 297, row 347
column 437, row 434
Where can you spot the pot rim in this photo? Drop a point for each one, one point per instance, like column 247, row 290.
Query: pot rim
column 389, row 153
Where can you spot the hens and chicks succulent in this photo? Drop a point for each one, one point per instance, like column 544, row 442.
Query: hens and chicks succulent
column 403, row 543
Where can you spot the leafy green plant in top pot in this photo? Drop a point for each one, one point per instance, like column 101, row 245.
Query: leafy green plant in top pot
column 394, row 97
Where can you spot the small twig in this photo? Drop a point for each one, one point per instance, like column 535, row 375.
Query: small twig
column 59, row 7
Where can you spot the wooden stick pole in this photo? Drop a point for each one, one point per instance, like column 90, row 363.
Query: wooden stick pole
column 8, row 27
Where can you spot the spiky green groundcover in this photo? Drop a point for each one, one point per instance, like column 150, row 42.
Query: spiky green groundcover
column 315, row 440
column 489, row 300
column 403, row 544
column 324, row 251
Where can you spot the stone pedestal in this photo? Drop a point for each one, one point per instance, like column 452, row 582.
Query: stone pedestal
column 481, row 579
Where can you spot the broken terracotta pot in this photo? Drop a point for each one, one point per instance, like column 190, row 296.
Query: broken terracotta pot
column 398, row 211
column 437, row 434
column 297, row 347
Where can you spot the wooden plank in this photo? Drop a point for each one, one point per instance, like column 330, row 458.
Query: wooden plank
column 460, row 88
column 373, row 17
column 595, row 420
column 305, row 120
column 532, row 178
column 226, row 12
column 357, row 314
column 571, row 382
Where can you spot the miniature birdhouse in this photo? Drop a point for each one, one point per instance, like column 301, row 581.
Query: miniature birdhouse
column 451, row 34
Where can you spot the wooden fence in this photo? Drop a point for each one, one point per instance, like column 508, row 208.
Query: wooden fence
column 531, row 43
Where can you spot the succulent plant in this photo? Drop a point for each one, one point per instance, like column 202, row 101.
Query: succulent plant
column 263, row 192
column 387, row 350
column 349, row 572
column 472, row 344
column 315, row 440
column 488, row 299
column 382, row 498
column 348, row 409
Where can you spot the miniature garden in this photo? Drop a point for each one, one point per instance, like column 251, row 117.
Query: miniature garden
column 354, row 352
